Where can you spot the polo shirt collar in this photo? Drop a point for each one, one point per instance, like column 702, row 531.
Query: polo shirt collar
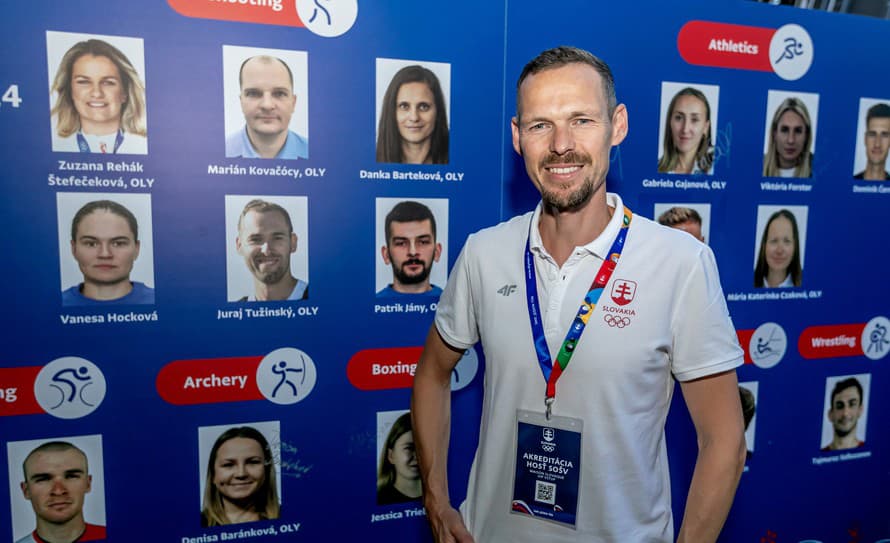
column 599, row 246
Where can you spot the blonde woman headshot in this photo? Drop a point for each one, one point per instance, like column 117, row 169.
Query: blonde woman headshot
column 240, row 485
column 687, row 147
column 790, row 139
column 100, row 101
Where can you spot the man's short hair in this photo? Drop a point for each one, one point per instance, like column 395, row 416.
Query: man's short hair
column 261, row 206
column 53, row 446
column 844, row 384
column 104, row 205
column 265, row 59
column 878, row 111
column 562, row 56
column 678, row 215
column 409, row 211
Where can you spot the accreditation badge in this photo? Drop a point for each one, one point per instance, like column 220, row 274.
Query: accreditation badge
column 548, row 467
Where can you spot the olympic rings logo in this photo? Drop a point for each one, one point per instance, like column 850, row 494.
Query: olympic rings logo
column 615, row 321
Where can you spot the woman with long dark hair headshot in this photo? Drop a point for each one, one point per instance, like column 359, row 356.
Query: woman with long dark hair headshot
column 398, row 479
column 413, row 125
column 778, row 261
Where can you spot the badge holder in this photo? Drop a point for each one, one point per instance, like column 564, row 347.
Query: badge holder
column 547, row 474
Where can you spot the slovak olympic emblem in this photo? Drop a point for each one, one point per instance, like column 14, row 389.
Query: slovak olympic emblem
column 549, row 434
column 623, row 291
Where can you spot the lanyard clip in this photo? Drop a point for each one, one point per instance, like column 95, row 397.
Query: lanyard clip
column 548, row 403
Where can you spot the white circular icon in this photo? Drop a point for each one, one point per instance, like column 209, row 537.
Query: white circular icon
column 768, row 344
column 875, row 339
column 286, row 375
column 465, row 371
column 70, row 387
column 328, row 18
column 791, row 52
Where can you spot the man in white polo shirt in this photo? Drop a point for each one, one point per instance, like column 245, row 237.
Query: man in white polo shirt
column 584, row 460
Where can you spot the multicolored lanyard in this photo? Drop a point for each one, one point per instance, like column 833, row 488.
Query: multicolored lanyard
column 551, row 371
column 85, row 147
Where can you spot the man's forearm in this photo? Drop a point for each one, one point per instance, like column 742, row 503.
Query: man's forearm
column 717, row 471
column 431, row 420
column 431, row 416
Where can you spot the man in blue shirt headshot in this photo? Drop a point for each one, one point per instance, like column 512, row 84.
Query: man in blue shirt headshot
column 268, row 102
column 411, row 249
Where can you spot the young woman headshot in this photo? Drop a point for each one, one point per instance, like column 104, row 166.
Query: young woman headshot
column 100, row 102
column 687, row 146
column 790, row 139
column 398, row 479
column 240, row 484
column 413, row 126
column 778, row 261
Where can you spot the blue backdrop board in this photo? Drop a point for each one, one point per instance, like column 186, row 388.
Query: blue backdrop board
column 145, row 387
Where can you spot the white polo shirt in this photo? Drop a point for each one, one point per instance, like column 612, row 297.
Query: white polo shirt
column 662, row 314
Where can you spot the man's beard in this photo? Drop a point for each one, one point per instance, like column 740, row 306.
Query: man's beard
column 270, row 277
column 406, row 279
column 844, row 432
column 577, row 198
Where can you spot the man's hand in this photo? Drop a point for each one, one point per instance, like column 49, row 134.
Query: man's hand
column 448, row 526
column 431, row 422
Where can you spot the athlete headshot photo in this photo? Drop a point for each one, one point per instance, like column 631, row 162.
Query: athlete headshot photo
column 240, row 473
column 267, row 248
column 694, row 218
column 97, row 93
column 413, row 99
column 105, row 249
column 412, row 241
column 266, row 103
column 873, row 140
column 688, row 128
column 846, row 401
column 57, row 490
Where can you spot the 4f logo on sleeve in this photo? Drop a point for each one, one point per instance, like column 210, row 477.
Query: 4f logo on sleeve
column 623, row 291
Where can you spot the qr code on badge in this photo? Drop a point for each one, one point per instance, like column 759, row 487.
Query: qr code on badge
column 545, row 492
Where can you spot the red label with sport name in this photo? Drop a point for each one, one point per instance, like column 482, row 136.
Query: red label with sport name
column 382, row 369
column 832, row 341
column 723, row 45
column 211, row 380
column 17, row 391
column 269, row 12
column 745, row 340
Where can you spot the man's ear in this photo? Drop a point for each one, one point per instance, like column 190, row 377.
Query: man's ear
column 514, row 128
column 619, row 124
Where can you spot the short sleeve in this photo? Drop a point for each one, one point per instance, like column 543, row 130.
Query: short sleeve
column 704, row 339
column 456, row 316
